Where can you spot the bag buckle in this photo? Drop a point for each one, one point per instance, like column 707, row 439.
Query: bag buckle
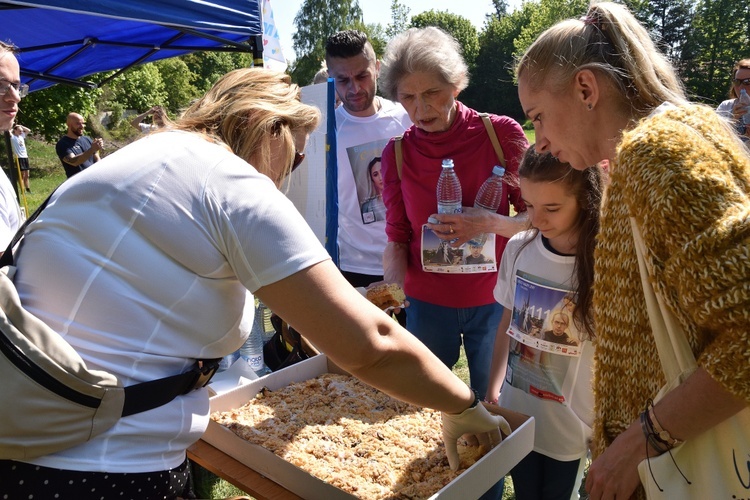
column 203, row 369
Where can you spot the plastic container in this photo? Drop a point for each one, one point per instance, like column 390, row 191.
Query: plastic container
column 448, row 190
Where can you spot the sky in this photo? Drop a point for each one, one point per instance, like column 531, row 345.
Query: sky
column 379, row 11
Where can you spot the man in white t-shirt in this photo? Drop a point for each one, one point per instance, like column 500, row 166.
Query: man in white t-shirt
column 364, row 124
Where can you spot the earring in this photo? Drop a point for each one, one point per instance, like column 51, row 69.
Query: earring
column 590, row 106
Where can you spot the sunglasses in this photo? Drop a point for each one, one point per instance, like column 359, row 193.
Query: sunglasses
column 298, row 159
column 744, row 81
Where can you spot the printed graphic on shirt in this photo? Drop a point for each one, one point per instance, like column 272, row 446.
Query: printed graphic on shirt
column 545, row 344
column 475, row 256
column 366, row 169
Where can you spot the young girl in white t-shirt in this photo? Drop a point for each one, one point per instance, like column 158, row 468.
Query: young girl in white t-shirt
column 544, row 346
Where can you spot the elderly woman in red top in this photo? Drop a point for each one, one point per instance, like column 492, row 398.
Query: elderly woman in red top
column 423, row 70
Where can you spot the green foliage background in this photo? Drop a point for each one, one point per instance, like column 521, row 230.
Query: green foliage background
column 703, row 39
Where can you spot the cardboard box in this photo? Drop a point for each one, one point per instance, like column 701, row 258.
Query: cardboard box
column 470, row 484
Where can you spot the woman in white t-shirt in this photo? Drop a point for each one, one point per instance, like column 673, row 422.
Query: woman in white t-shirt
column 544, row 345
column 143, row 264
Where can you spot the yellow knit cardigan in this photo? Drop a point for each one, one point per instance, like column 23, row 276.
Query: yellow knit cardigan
column 686, row 180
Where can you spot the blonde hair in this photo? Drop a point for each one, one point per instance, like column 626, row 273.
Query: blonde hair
column 608, row 40
column 248, row 107
column 427, row 50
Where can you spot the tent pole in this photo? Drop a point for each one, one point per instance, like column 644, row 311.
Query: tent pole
column 258, row 51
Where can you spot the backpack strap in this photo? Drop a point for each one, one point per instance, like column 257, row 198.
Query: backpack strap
column 399, row 154
column 493, row 138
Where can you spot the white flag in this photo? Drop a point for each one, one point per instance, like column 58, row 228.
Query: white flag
column 272, row 56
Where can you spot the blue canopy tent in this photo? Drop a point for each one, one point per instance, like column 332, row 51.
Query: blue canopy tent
column 63, row 42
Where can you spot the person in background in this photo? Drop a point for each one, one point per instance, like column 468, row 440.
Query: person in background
column 11, row 93
column 543, row 268
column 732, row 109
column 76, row 151
column 159, row 120
column 423, row 69
column 321, row 76
column 18, row 142
column 364, row 124
column 597, row 88
column 179, row 226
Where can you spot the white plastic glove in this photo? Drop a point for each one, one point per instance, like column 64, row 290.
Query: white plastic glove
column 478, row 421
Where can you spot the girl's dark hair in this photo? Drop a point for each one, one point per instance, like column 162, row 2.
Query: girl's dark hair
column 587, row 186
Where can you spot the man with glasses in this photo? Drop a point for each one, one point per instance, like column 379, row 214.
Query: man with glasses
column 732, row 109
column 77, row 152
column 11, row 92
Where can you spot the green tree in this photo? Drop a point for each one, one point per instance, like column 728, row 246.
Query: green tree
column 208, row 67
column 138, row 88
column 458, row 26
column 545, row 14
column 377, row 36
column 718, row 37
column 399, row 19
column 492, row 87
column 315, row 22
column 179, row 86
column 501, row 8
column 45, row 111
column 668, row 21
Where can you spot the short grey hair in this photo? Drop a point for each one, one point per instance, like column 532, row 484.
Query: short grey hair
column 427, row 50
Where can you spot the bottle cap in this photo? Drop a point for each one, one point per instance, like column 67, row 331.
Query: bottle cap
column 498, row 170
column 448, row 163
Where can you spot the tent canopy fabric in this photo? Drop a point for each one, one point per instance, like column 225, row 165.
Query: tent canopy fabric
column 61, row 41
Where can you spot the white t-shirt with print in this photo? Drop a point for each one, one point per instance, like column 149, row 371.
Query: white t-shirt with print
column 361, row 235
column 549, row 380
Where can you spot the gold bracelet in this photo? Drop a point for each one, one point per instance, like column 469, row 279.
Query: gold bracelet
column 663, row 435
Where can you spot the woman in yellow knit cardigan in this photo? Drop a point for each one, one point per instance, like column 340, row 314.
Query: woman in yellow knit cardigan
column 596, row 88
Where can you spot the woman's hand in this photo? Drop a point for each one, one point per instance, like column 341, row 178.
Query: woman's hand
column 395, row 262
column 460, row 228
column 614, row 474
column 476, row 421
column 739, row 110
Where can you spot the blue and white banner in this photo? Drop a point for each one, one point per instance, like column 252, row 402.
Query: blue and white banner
column 272, row 55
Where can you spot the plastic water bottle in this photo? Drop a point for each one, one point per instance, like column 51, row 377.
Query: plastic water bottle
column 448, row 190
column 490, row 195
column 252, row 350
column 745, row 101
